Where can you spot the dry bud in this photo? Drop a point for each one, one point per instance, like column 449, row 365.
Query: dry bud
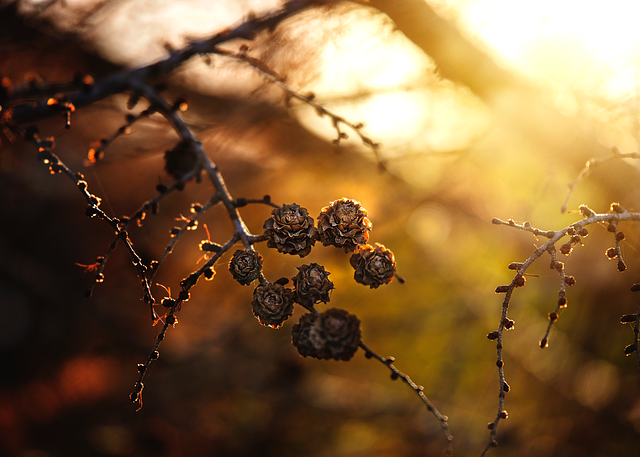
column 502, row 289
column 515, row 265
column 569, row 280
column 168, row 302
column 616, row 208
column 562, row 302
column 566, row 248
column 621, row 265
column 493, row 335
column 628, row 318
column 209, row 273
column 209, row 246
column 619, row 236
column 630, row 349
column 635, row 287
column 611, row 253
column 509, row 324
column 553, row 317
column 520, row 281
column 586, row 211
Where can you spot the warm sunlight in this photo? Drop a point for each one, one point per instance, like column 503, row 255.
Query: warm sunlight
column 225, row 221
column 378, row 76
column 559, row 39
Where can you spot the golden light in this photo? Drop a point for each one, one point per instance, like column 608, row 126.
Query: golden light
column 373, row 74
column 550, row 39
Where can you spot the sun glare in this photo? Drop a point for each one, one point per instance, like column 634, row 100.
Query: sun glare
column 383, row 80
column 524, row 34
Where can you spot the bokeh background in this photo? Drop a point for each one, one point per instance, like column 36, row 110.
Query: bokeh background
column 488, row 109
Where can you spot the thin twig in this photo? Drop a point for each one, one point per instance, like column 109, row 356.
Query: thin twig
column 590, row 165
column 419, row 390
column 215, row 199
column 577, row 231
column 56, row 165
column 130, row 79
column 308, row 99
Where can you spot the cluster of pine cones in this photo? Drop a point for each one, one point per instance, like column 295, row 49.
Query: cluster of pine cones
column 333, row 334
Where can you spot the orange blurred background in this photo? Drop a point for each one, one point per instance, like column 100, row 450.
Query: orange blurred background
column 458, row 155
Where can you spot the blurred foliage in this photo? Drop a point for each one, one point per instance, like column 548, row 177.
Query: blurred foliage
column 226, row 386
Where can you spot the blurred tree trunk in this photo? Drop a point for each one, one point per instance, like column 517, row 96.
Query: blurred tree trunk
column 516, row 103
column 456, row 57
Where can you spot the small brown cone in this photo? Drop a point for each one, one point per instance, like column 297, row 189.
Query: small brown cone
column 312, row 285
column 373, row 266
column 344, row 224
column 272, row 304
column 245, row 266
column 334, row 334
column 291, row 230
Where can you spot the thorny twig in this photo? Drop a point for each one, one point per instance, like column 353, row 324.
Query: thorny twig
column 576, row 231
column 590, row 165
column 128, row 79
column 125, row 222
column 97, row 153
column 144, row 83
column 419, row 390
column 635, row 318
column 55, row 164
column 308, row 99
column 174, row 305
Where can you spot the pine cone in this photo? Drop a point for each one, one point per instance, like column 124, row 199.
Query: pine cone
column 334, row 334
column 344, row 224
column 180, row 160
column 272, row 304
column 290, row 229
column 245, row 266
column 312, row 285
column 374, row 266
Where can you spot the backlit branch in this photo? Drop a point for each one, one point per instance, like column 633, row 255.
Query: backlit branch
column 593, row 163
column 308, row 98
column 419, row 390
column 576, row 233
